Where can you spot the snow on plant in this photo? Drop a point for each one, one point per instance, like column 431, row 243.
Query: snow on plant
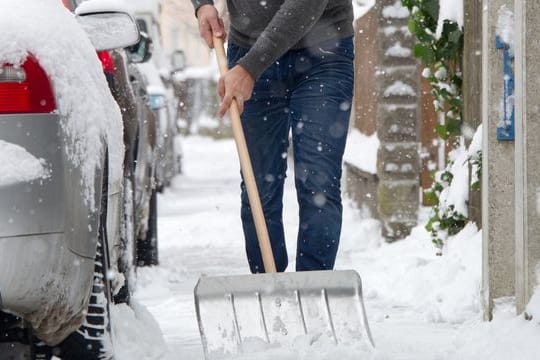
column 438, row 26
column 450, row 192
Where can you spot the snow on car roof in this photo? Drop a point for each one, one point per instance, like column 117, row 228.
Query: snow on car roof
column 90, row 6
column 89, row 113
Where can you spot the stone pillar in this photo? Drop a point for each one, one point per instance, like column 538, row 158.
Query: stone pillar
column 527, row 160
column 498, row 180
column 397, row 123
column 361, row 185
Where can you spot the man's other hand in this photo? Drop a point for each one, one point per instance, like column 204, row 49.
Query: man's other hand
column 210, row 24
column 237, row 83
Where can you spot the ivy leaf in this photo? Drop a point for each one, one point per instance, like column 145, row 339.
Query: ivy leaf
column 453, row 127
column 431, row 198
column 431, row 7
column 442, row 132
column 424, row 52
column 408, row 3
column 413, row 28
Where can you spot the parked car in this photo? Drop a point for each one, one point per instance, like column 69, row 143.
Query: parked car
column 162, row 97
column 129, row 88
column 168, row 162
column 145, row 174
column 60, row 200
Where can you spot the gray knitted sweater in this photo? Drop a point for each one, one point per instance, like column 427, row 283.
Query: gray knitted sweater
column 269, row 28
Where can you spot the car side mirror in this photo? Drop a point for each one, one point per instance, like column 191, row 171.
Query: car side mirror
column 107, row 27
column 142, row 51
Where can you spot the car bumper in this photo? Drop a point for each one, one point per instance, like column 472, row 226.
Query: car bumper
column 44, row 282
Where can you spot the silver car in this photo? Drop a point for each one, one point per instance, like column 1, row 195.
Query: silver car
column 60, row 189
column 161, row 98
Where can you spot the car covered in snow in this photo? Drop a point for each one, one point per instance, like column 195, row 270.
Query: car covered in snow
column 60, row 188
column 161, row 94
column 130, row 90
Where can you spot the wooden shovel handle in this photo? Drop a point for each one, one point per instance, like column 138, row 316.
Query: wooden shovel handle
column 247, row 169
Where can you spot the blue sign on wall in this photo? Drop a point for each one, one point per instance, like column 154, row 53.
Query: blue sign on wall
column 505, row 127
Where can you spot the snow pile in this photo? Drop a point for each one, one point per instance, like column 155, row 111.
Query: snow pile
column 533, row 308
column 302, row 348
column 136, row 335
column 450, row 10
column 89, row 113
column 507, row 337
column 409, row 274
column 361, row 151
column 420, row 306
column 18, row 165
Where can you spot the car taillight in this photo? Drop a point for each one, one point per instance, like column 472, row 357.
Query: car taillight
column 25, row 89
column 106, row 61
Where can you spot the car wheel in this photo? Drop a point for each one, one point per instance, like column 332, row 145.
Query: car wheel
column 147, row 247
column 92, row 341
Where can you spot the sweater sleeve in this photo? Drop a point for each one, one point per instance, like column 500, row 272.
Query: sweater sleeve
column 198, row 3
column 291, row 23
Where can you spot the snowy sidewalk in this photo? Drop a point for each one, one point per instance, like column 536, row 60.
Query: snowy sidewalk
column 412, row 296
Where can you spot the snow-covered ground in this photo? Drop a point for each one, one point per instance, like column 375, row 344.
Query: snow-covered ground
column 420, row 306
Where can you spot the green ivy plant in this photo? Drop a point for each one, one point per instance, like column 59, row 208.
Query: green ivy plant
column 443, row 59
column 442, row 55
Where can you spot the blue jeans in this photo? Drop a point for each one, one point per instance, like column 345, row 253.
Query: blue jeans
column 307, row 92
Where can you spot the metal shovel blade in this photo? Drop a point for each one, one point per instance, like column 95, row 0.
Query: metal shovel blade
column 277, row 308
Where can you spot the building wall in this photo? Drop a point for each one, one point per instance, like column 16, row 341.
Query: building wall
column 527, row 170
column 180, row 31
column 366, row 63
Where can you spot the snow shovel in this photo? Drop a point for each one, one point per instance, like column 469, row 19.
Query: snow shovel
column 241, row 314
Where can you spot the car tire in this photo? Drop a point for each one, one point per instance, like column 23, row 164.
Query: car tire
column 92, row 341
column 147, row 247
